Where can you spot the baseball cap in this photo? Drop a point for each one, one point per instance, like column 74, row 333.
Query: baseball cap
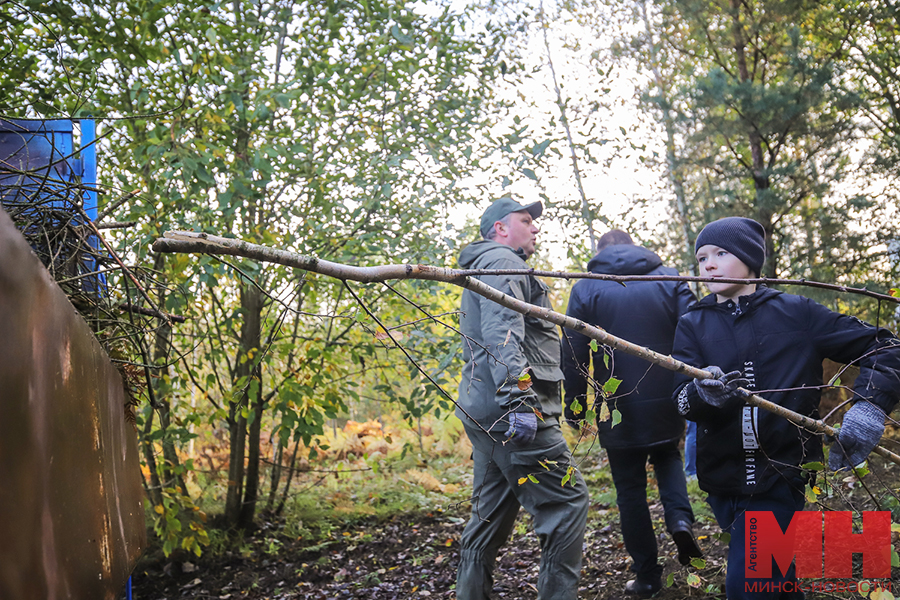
column 502, row 207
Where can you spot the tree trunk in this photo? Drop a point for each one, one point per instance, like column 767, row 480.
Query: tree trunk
column 249, row 369
column 154, row 489
column 586, row 213
column 290, row 477
column 276, row 476
column 277, row 467
column 676, row 174
column 761, row 180
column 249, row 346
column 237, row 427
column 171, row 468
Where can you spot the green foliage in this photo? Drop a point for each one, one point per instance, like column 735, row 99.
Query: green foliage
column 772, row 110
column 179, row 523
column 328, row 128
column 344, row 130
column 611, row 385
column 768, row 124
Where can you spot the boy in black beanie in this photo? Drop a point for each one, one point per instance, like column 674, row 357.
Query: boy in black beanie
column 772, row 344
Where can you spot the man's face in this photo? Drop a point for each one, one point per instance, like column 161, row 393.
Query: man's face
column 520, row 233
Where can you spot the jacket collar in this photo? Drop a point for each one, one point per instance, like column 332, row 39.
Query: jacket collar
column 476, row 250
column 746, row 303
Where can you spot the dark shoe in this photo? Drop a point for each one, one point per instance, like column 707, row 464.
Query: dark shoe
column 685, row 542
column 642, row 589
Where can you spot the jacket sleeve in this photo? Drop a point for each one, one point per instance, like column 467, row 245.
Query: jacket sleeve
column 503, row 332
column 576, row 358
column 687, row 400
column 875, row 350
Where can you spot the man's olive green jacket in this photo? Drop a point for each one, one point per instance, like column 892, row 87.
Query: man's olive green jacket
column 500, row 345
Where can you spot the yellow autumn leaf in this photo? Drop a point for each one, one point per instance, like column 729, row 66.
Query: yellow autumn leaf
column 604, row 413
column 880, row 594
column 381, row 334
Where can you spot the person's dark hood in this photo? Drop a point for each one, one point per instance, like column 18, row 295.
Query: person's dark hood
column 474, row 251
column 624, row 259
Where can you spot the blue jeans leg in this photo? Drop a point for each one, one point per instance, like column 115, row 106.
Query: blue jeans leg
column 784, row 499
column 690, row 449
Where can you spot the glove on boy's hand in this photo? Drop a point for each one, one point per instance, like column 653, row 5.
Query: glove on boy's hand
column 522, row 428
column 721, row 391
column 860, row 431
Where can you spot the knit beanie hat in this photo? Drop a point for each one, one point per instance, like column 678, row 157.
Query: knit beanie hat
column 745, row 238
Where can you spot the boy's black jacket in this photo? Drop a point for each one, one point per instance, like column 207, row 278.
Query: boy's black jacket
column 778, row 341
column 643, row 312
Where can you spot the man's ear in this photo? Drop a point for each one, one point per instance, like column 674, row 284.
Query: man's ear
column 498, row 225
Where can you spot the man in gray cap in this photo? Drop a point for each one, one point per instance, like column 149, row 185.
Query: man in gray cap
column 509, row 403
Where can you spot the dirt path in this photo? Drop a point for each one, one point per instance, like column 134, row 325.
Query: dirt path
column 413, row 557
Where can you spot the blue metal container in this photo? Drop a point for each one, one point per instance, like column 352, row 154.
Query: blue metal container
column 43, row 183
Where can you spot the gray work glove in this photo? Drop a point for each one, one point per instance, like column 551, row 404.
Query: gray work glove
column 860, row 431
column 522, row 429
column 722, row 390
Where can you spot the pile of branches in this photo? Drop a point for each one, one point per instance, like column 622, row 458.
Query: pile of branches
column 110, row 295
column 51, row 219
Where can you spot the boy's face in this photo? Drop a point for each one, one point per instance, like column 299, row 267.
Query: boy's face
column 717, row 262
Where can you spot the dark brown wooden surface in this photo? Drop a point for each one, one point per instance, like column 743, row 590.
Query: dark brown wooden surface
column 71, row 501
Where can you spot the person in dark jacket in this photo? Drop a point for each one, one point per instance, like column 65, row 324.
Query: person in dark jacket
column 644, row 313
column 772, row 344
column 514, row 427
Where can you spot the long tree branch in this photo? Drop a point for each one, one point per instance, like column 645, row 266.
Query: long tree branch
column 192, row 242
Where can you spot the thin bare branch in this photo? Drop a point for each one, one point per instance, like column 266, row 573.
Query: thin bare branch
column 152, row 313
column 116, row 204
column 116, row 224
